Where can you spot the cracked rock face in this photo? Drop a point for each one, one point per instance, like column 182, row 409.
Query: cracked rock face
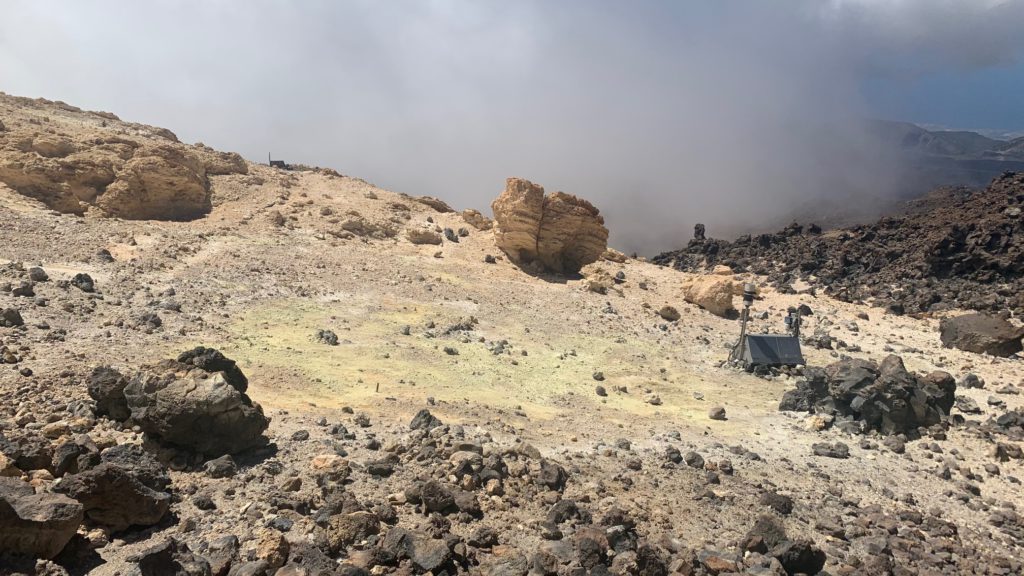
column 557, row 232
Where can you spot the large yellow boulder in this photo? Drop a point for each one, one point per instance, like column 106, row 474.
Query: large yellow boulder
column 713, row 293
column 557, row 232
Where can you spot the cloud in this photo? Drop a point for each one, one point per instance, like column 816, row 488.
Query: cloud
column 919, row 36
column 663, row 113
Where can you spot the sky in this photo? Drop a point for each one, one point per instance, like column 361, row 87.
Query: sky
column 662, row 113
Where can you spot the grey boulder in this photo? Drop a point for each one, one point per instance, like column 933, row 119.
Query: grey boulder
column 106, row 387
column 35, row 525
column 187, row 406
column 114, row 497
column 981, row 333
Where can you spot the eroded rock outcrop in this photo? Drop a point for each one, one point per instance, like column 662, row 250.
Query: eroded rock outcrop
column 78, row 165
column 613, row 255
column 477, row 220
column 158, row 183
column 435, row 203
column 118, row 177
column 557, row 232
column 197, row 402
column 418, row 236
column 219, row 163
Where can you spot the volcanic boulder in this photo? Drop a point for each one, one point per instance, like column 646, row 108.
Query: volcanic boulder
column 10, row 318
column 28, row 451
column 424, row 420
column 982, row 334
column 669, row 313
column 809, row 391
column 171, row 557
column 139, row 463
column 864, row 396
column 799, row 557
column 114, row 497
column 212, row 360
column 35, row 525
column 557, row 232
column 348, row 528
column 425, row 553
column 106, row 387
column 181, row 403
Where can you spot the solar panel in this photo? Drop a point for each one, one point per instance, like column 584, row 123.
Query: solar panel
column 772, row 350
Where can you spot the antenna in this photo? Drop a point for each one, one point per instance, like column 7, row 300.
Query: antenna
column 793, row 322
column 749, row 290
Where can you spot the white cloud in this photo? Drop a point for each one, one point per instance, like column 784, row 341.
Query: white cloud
column 663, row 113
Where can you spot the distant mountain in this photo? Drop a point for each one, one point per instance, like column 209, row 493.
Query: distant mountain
column 924, row 159
column 957, row 144
column 933, row 158
column 1014, row 147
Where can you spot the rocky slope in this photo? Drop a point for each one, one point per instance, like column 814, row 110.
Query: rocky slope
column 291, row 385
column 953, row 249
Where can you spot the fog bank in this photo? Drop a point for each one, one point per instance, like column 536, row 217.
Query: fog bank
column 663, row 114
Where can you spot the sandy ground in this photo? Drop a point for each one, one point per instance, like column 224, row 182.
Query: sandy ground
column 259, row 292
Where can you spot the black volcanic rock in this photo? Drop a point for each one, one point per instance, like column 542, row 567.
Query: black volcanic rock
column 114, row 497
column 212, row 360
column 106, row 387
column 953, row 248
column 10, row 318
column 424, row 420
column 34, row 525
column 883, row 397
column 197, row 402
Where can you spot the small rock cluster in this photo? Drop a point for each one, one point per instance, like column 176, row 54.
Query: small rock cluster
column 194, row 405
column 863, row 396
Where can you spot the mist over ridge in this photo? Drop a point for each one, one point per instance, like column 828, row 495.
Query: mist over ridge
column 732, row 114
